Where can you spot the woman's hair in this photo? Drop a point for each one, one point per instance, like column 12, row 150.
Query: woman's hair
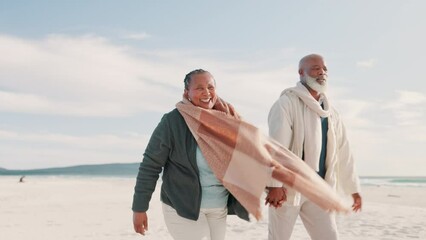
column 188, row 76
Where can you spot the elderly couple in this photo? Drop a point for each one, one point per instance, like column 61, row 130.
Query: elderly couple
column 215, row 164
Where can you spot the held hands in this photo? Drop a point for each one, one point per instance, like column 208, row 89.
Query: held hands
column 357, row 206
column 276, row 196
column 140, row 222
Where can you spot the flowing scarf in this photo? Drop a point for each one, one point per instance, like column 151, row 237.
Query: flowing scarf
column 244, row 159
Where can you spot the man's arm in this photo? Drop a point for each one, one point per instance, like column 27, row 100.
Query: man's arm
column 279, row 123
column 348, row 180
column 347, row 176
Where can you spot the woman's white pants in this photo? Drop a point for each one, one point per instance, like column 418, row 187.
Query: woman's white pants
column 211, row 224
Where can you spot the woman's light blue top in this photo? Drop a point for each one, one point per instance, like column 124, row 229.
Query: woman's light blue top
column 213, row 193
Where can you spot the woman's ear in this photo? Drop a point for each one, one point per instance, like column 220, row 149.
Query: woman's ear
column 185, row 94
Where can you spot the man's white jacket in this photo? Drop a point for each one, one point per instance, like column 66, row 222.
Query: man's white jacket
column 295, row 121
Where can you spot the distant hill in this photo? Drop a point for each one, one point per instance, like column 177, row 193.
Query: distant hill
column 113, row 169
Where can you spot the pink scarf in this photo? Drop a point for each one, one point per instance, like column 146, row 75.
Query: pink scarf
column 244, row 159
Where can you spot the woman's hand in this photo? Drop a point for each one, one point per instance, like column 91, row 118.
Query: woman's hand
column 140, row 222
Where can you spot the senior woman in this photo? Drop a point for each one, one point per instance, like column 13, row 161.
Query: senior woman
column 195, row 202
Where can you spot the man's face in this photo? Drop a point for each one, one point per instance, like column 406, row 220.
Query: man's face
column 314, row 74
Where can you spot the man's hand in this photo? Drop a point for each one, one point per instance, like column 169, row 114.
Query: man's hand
column 276, row 196
column 140, row 222
column 357, row 206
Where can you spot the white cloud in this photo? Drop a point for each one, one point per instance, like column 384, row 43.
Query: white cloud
column 80, row 76
column 90, row 76
column 25, row 150
column 95, row 142
column 354, row 112
column 367, row 63
column 20, row 102
column 137, row 36
column 408, row 108
column 30, row 103
column 410, row 97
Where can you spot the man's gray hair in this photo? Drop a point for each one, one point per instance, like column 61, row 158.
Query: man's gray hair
column 306, row 58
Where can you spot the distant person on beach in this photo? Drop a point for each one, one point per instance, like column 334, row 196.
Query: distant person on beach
column 303, row 121
column 195, row 203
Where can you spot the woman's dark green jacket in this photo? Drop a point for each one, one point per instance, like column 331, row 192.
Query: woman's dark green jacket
column 173, row 147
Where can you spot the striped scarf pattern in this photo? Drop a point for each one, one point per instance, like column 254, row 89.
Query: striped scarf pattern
column 245, row 160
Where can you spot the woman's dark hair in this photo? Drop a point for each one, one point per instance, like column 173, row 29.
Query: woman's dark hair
column 188, row 76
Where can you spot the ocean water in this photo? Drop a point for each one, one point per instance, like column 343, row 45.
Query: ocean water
column 394, row 181
column 130, row 170
column 101, row 170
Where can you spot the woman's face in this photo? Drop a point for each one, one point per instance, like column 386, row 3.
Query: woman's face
column 202, row 90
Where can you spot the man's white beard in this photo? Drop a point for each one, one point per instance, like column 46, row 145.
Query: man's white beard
column 312, row 83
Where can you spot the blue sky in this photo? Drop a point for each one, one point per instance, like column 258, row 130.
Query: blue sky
column 86, row 82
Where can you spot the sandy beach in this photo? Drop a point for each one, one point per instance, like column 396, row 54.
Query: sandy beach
column 50, row 208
